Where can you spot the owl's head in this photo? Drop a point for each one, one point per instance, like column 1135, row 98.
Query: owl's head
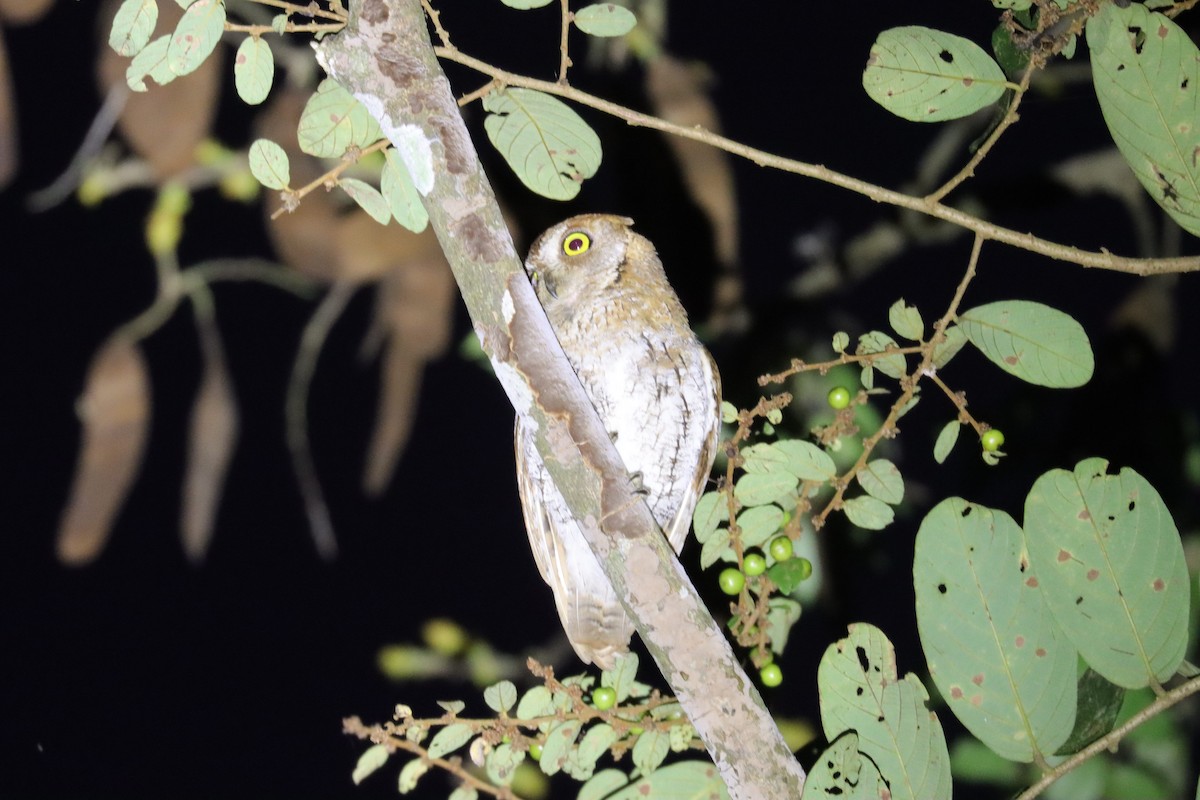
column 579, row 256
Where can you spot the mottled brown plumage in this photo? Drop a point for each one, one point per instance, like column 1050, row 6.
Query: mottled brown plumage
column 656, row 389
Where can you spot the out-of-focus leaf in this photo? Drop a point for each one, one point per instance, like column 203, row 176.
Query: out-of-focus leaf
column 416, row 309
column 8, row 120
column 211, row 441
column 164, row 125
column 678, row 93
column 115, row 412
column 23, row 12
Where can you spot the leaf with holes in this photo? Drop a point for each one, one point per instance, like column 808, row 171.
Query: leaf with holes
column 994, row 650
column 1146, row 70
column 861, row 691
column 925, row 75
column 547, row 144
column 1111, row 567
column 842, row 772
column 1034, row 342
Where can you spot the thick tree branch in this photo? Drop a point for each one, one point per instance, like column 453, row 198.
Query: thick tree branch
column 384, row 57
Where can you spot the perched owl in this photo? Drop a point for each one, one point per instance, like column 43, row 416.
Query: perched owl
column 656, row 389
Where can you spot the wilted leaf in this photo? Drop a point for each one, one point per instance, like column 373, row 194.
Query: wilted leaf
column 115, row 412
column 211, row 441
column 164, row 125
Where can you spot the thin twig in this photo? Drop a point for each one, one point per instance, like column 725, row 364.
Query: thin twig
column 436, row 18
column 1023, row 241
column 1113, row 737
column 306, row 10
column 565, row 59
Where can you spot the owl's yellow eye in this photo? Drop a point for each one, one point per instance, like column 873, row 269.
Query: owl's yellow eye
column 576, row 243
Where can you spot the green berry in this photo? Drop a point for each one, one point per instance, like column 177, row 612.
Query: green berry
column 731, row 580
column 771, row 675
column 604, row 698
column 839, row 397
column 754, row 564
column 535, row 751
column 780, row 548
column 992, row 440
column 805, row 568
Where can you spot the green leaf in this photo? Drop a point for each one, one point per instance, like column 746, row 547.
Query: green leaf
column 1146, row 71
column 537, row 702
column 622, row 678
column 500, row 697
column 550, row 148
column 683, row 780
column 269, row 164
column 867, row 512
column 196, row 36
column 1100, row 702
column 841, row 772
column 894, row 365
column 372, row 759
column 861, row 691
column 841, row 340
column 1012, row 58
column 502, row 764
column 368, row 197
column 949, row 347
column 150, row 62
column 782, row 614
column 333, row 121
column 413, row 770
column 787, row 575
column 650, row 750
column 401, row 195
column 946, row 440
column 993, row 648
column 1111, row 567
column 526, row 4
column 925, row 75
column 449, row 739
column 759, row 524
column 605, row 19
column 132, row 26
column 279, row 23
column 711, row 511
column 595, row 743
column 253, row 70
column 761, row 489
column 714, row 547
column 882, row 480
column 906, row 320
column 560, row 740
column 452, row 707
column 1036, row 343
column 802, row 459
column 729, row 412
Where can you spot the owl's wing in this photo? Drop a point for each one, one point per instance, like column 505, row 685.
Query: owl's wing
column 709, row 381
column 592, row 617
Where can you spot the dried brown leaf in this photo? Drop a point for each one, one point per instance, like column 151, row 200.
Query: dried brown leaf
column 165, row 124
column 677, row 93
column 416, row 307
column 211, row 441
column 8, row 120
column 115, row 412
column 23, row 12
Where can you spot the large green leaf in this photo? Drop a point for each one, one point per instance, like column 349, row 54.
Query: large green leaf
column 994, row 650
column 683, row 780
column 1034, row 342
column 925, row 75
column 860, row 691
column 1147, row 75
column 547, row 144
column 1110, row 564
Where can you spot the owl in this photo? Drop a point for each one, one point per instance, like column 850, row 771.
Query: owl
column 654, row 386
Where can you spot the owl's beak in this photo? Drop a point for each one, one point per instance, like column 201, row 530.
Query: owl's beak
column 535, row 278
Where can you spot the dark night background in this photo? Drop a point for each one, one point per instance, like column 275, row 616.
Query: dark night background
column 142, row 674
